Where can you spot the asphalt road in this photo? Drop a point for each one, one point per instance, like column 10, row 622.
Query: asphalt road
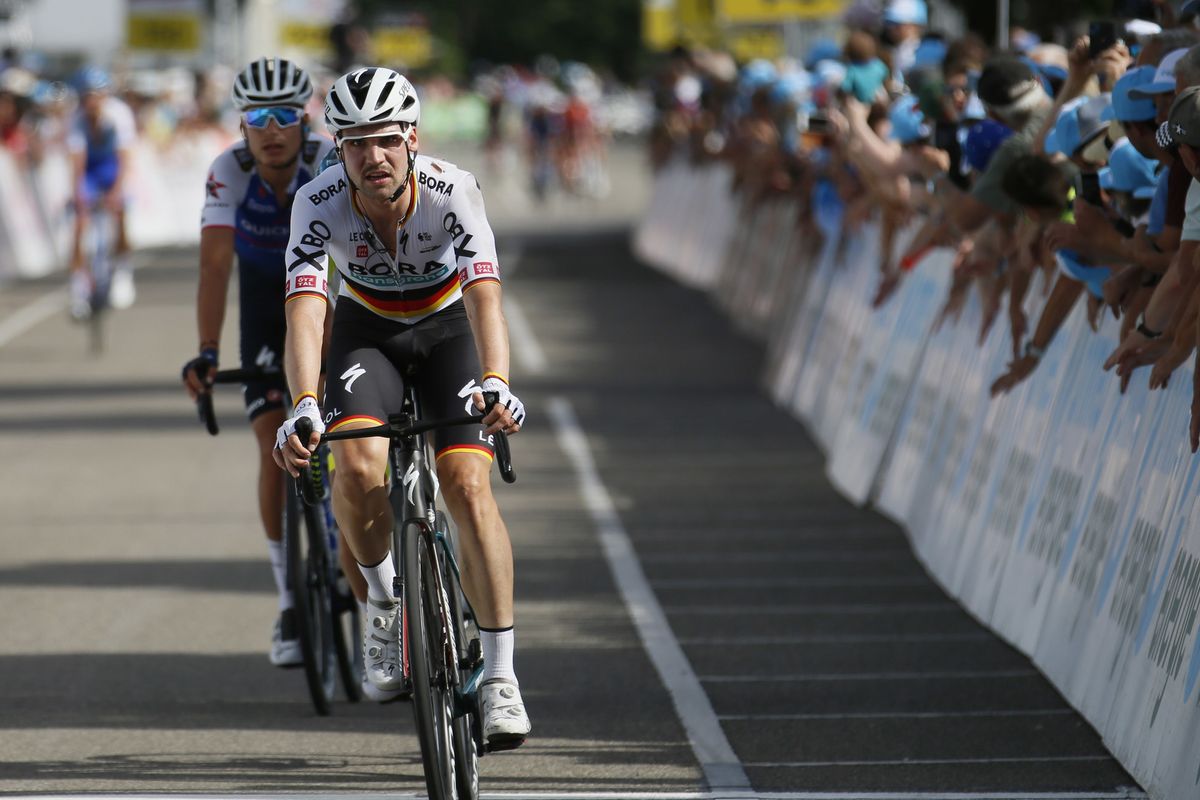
column 797, row 632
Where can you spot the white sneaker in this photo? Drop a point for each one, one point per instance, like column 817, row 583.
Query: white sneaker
column 80, row 295
column 122, row 292
column 285, row 641
column 505, row 723
column 381, row 645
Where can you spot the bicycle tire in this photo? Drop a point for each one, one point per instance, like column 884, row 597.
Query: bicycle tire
column 431, row 711
column 308, row 578
column 347, row 635
column 466, row 738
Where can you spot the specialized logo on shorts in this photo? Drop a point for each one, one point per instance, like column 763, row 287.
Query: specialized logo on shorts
column 265, row 357
column 351, row 375
column 306, row 281
column 484, row 268
column 361, row 251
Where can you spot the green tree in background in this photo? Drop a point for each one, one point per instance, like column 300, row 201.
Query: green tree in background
column 603, row 33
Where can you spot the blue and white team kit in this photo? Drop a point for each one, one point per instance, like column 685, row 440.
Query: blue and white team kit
column 237, row 197
column 102, row 146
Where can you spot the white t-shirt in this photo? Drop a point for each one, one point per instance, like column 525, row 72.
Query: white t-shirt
column 1191, row 222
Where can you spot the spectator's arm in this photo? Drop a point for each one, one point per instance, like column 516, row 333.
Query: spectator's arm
column 1183, row 342
column 1062, row 299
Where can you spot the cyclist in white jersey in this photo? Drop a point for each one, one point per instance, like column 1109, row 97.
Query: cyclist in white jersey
column 420, row 290
column 247, row 211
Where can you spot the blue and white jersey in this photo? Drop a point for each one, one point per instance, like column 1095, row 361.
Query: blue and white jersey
column 102, row 144
column 237, row 197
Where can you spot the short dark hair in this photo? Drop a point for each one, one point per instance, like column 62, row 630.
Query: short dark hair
column 1030, row 181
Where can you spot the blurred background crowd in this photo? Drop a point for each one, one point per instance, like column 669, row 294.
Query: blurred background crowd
column 1063, row 165
column 1058, row 156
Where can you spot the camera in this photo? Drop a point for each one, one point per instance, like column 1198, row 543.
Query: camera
column 1088, row 188
column 1101, row 36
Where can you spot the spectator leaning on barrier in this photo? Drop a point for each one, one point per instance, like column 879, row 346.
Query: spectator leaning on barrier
column 1146, row 343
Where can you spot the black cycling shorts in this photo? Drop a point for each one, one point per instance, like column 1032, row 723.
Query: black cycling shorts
column 371, row 357
column 263, row 328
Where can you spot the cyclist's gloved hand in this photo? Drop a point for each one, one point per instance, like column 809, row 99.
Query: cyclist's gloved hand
column 509, row 412
column 290, row 453
column 198, row 373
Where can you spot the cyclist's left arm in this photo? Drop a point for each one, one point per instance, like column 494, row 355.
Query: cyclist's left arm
column 479, row 272
column 126, row 135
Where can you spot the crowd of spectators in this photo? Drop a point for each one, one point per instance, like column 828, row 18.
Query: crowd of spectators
column 1075, row 161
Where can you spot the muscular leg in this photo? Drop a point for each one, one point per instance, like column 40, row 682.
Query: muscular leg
column 360, row 500
column 487, row 562
column 270, row 477
column 123, row 239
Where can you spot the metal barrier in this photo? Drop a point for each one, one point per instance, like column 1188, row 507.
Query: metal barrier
column 1064, row 516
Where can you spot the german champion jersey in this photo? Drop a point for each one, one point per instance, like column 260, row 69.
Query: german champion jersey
column 445, row 246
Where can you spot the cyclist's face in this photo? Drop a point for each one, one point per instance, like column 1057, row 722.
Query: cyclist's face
column 379, row 162
column 274, row 146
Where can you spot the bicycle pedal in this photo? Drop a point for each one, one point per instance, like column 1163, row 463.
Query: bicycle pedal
column 499, row 744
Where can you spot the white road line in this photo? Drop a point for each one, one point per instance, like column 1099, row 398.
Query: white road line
column 866, row 638
column 26, row 317
column 869, row 676
column 813, row 609
column 609, row 795
column 1033, row 712
column 929, row 762
column 525, row 345
column 722, row 770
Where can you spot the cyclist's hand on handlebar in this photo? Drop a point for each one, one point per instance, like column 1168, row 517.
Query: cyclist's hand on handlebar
column 198, row 373
column 507, row 415
column 290, row 453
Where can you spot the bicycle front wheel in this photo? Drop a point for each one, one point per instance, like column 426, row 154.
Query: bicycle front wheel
column 429, row 642
column 308, row 574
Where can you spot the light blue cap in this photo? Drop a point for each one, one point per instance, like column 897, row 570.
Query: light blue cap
column 1125, row 106
column 1078, row 124
column 1129, row 171
column 906, row 12
column 908, row 123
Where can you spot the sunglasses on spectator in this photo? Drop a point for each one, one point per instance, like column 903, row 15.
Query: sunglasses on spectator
column 284, row 116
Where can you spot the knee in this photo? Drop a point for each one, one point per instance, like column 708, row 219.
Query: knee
column 464, row 488
column 357, row 475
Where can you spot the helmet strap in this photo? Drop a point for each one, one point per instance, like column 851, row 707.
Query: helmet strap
column 412, row 162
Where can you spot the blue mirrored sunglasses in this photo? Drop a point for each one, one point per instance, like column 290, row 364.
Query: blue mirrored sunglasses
column 284, row 116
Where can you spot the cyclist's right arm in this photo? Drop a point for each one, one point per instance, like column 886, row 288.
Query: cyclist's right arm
column 223, row 190
column 306, row 308
column 216, row 265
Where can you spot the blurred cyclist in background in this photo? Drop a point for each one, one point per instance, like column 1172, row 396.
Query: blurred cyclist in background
column 247, row 212
column 102, row 134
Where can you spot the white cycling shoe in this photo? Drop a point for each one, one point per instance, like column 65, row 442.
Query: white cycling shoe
column 285, row 641
column 121, row 292
column 505, row 723
column 381, row 646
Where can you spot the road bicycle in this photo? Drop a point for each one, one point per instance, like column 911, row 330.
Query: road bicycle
column 327, row 614
column 441, row 655
column 100, row 241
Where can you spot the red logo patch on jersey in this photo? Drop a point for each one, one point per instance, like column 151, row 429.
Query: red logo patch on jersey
column 324, row 286
column 484, row 268
column 214, row 186
column 362, row 251
column 306, row 281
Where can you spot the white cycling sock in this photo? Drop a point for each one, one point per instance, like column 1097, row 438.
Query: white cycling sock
column 279, row 570
column 497, row 654
column 379, row 578
column 362, row 612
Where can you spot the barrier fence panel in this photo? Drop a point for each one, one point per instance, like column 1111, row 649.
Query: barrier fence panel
column 1064, row 515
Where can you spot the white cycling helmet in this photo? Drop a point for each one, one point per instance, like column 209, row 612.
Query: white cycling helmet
column 271, row 82
column 370, row 96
